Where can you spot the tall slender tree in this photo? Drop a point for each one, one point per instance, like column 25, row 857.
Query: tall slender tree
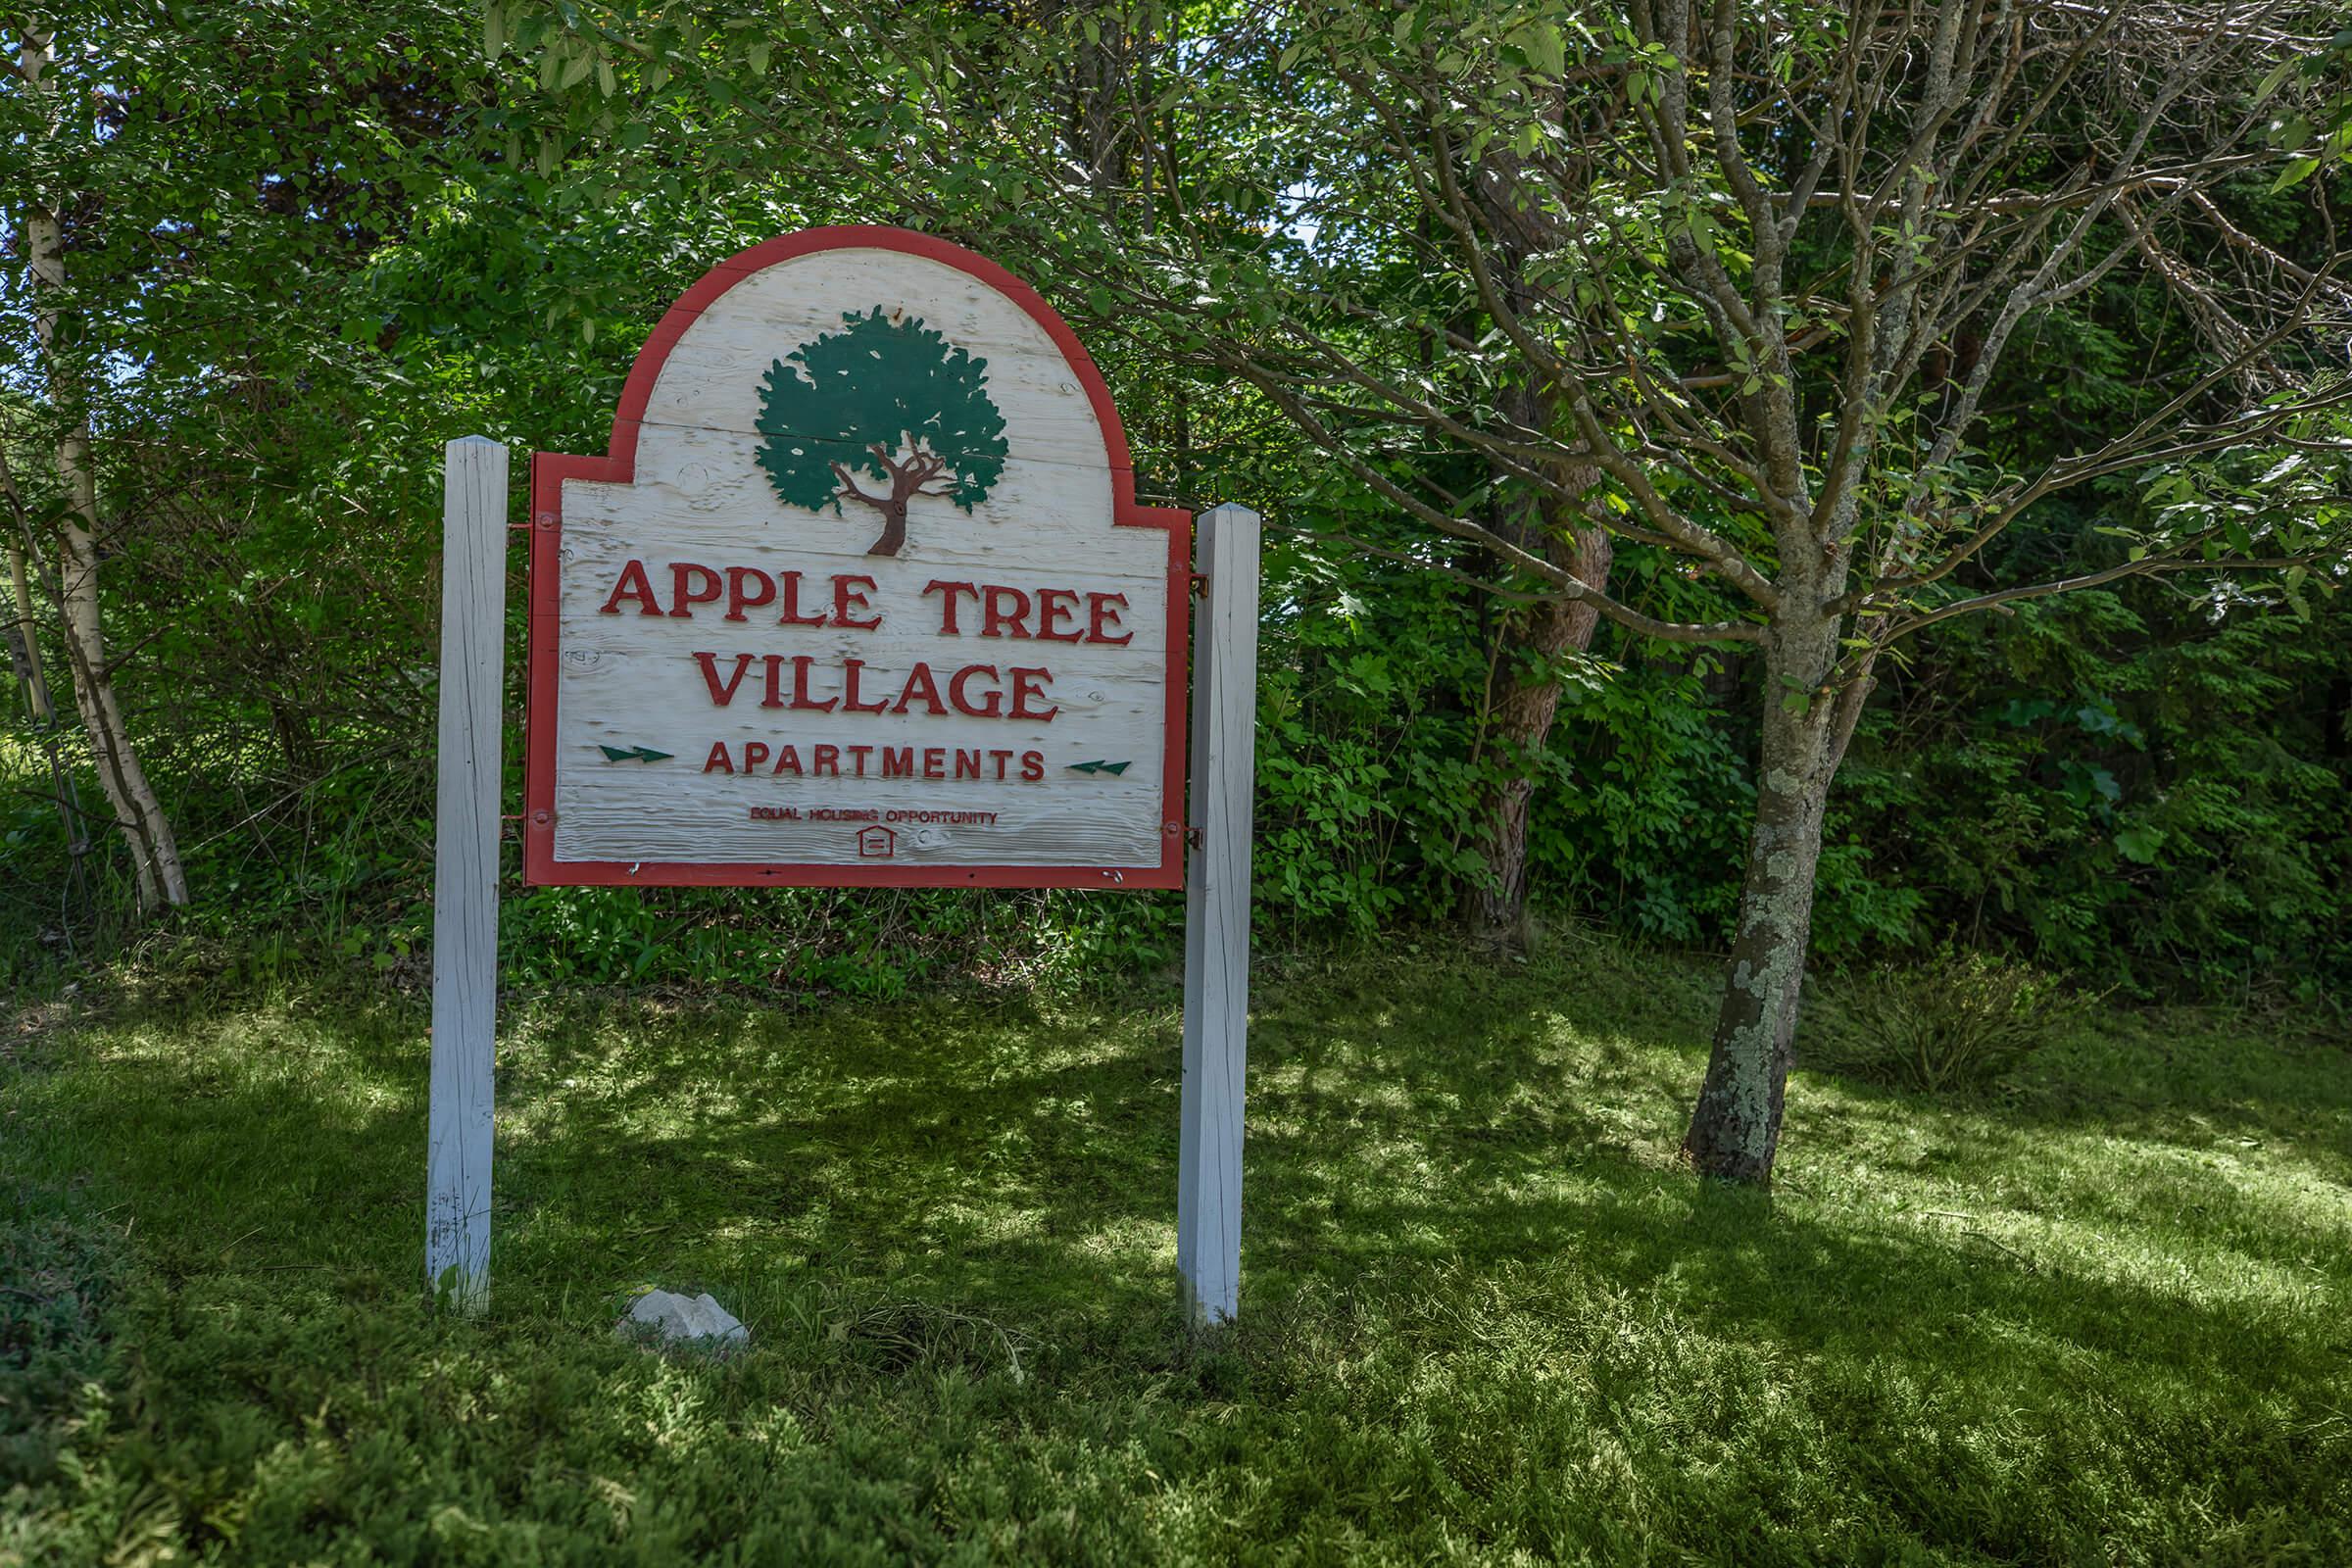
column 138, row 812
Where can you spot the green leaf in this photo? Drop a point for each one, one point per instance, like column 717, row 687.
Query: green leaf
column 494, row 29
column 1545, row 48
column 2139, row 843
column 2298, row 171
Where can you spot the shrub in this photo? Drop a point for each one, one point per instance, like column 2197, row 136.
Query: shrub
column 1961, row 1020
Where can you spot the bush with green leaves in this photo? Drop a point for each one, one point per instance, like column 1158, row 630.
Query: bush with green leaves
column 1956, row 1023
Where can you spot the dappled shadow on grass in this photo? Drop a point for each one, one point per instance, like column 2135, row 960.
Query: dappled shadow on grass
column 2191, row 1078
column 232, row 1136
column 1009, row 1153
column 1030, row 1151
column 1472, row 1265
column 942, row 1142
column 1443, row 1126
column 2185, row 1076
column 1022, row 1162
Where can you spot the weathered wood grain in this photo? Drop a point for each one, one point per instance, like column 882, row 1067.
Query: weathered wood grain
column 699, row 495
column 779, row 307
column 473, row 601
column 1216, row 929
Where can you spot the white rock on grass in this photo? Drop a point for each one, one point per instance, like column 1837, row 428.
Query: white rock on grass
column 683, row 1318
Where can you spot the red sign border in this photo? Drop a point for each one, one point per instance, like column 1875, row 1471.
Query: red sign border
column 549, row 471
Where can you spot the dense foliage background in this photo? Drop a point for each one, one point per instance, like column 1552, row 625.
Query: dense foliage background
column 300, row 265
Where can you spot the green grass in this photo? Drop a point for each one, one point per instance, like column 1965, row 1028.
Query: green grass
column 2098, row 1317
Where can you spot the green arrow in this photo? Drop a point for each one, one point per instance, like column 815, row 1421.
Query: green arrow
column 1100, row 767
column 639, row 754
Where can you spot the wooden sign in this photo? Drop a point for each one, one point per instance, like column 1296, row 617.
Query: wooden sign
column 859, row 595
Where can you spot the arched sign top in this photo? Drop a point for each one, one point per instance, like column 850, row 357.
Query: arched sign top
column 859, row 595
column 637, row 392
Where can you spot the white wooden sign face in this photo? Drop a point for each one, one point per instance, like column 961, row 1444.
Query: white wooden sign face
column 868, row 602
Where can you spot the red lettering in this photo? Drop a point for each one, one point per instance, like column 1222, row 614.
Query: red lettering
column 963, row 704
column 718, row 761
column 1001, row 759
column 1050, row 608
column 683, row 599
column 922, row 686
column 947, row 602
column 754, row 754
column 775, row 680
column 935, row 761
column 824, row 760
column 967, row 765
column 994, row 619
column 847, row 598
column 788, row 761
column 849, row 690
column 1028, row 683
column 792, row 615
column 632, row 586
column 1099, row 614
column 857, row 756
column 1033, row 767
column 737, row 599
column 800, row 688
column 721, row 696
column 897, row 761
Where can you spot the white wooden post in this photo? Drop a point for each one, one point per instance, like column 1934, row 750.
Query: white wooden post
column 473, row 613
column 1216, row 916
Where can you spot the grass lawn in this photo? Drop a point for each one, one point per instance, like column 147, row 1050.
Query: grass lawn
column 2098, row 1317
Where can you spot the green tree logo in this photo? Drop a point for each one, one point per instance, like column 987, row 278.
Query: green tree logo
column 887, row 397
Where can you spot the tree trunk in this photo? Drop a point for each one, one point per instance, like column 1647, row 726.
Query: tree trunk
column 137, row 811
column 155, row 851
column 894, row 526
column 1519, row 722
column 1547, row 523
column 1735, row 1127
